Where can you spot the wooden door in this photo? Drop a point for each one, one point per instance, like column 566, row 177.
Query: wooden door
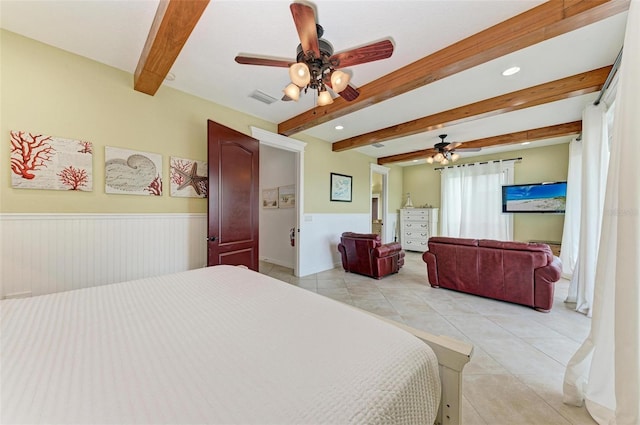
column 234, row 161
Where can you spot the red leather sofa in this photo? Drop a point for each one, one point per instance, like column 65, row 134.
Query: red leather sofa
column 522, row 273
column 363, row 253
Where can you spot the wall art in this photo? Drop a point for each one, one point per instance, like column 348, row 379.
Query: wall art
column 188, row 178
column 341, row 189
column 287, row 196
column 39, row 161
column 132, row 172
column 270, row 198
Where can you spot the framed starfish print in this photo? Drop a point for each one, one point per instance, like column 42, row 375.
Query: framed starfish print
column 188, row 178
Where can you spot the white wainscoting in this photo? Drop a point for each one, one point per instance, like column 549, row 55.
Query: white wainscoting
column 45, row 253
column 320, row 238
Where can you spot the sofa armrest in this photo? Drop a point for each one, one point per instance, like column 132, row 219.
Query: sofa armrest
column 432, row 269
column 551, row 272
column 544, row 284
column 387, row 249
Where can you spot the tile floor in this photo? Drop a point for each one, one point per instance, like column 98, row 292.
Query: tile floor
column 515, row 375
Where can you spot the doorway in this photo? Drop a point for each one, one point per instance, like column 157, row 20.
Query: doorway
column 296, row 149
column 379, row 184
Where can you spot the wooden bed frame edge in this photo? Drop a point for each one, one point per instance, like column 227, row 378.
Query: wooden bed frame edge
column 452, row 356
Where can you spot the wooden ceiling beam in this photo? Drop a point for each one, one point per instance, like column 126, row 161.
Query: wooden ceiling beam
column 541, row 133
column 576, row 85
column 171, row 27
column 550, row 19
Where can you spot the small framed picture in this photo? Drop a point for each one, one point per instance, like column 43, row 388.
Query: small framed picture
column 341, row 189
column 287, row 196
column 270, row 198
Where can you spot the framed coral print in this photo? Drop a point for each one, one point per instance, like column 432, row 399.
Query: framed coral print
column 341, row 189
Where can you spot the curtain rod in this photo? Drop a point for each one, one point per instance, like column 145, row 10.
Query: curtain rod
column 484, row 162
column 607, row 82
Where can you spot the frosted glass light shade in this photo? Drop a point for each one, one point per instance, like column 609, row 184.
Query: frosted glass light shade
column 439, row 157
column 324, row 98
column 430, row 160
column 292, row 91
column 455, row 157
column 444, row 161
column 299, row 74
column 339, row 81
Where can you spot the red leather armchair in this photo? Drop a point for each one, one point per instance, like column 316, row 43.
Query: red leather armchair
column 363, row 253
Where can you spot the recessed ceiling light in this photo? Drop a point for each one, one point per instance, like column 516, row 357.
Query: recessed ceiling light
column 525, row 143
column 339, row 127
column 511, row 71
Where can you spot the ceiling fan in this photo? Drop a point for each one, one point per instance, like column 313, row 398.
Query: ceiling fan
column 445, row 152
column 316, row 66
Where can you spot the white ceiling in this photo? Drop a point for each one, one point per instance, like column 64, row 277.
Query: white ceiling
column 114, row 32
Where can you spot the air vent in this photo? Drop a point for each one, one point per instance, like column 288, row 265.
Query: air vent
column 263, row 97
column 377, row 145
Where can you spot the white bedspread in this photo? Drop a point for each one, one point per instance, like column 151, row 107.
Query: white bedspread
column 217, row 345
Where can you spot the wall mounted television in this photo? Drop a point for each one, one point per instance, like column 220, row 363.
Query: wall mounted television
column 534, row 198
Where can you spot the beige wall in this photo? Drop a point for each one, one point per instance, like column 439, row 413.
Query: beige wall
column 319, row 162
column 395, row 181
column 49, row 91
column 538, row 164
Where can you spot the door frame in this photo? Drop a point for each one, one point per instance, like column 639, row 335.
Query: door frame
column 379, row 169
column 279, row 141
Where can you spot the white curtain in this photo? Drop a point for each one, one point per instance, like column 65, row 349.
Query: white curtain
column 605, row 372
column 571, row 230
column 472, row 201
column 595, row 160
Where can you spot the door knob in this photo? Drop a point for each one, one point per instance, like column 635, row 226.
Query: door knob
column 212, row 238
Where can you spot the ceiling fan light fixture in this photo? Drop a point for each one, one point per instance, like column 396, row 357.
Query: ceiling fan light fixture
column 339, row 80
column 292, row 91
column 444, row 161
column 299, row 74
column 429, row 160
column 438, row 157
column 454, row 157
column 324, row 98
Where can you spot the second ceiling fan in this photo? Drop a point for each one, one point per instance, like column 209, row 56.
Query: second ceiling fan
column 445, row 152
column 316, row 66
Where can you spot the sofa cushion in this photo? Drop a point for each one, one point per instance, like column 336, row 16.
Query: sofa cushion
column 454, row 241
column 518, row 246
column 353, row 235
column 461, row 261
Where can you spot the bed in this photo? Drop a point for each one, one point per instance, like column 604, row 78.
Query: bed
column 218, row 345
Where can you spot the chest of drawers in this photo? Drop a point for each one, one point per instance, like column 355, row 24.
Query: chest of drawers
column 417, row 225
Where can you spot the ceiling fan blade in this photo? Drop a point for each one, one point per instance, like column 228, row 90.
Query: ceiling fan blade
column 264, row 61
column 468, row 149
column 372, row 52
column 305, row 19
column 349, row 93
column 451, row 146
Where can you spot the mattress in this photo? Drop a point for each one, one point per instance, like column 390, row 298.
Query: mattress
column 217, row 345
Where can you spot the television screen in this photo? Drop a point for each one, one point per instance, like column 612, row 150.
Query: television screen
column 534, row 198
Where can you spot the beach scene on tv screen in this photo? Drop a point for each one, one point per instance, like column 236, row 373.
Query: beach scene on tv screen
column 545, row 197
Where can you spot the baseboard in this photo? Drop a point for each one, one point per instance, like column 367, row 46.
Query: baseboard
column 276, row 262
